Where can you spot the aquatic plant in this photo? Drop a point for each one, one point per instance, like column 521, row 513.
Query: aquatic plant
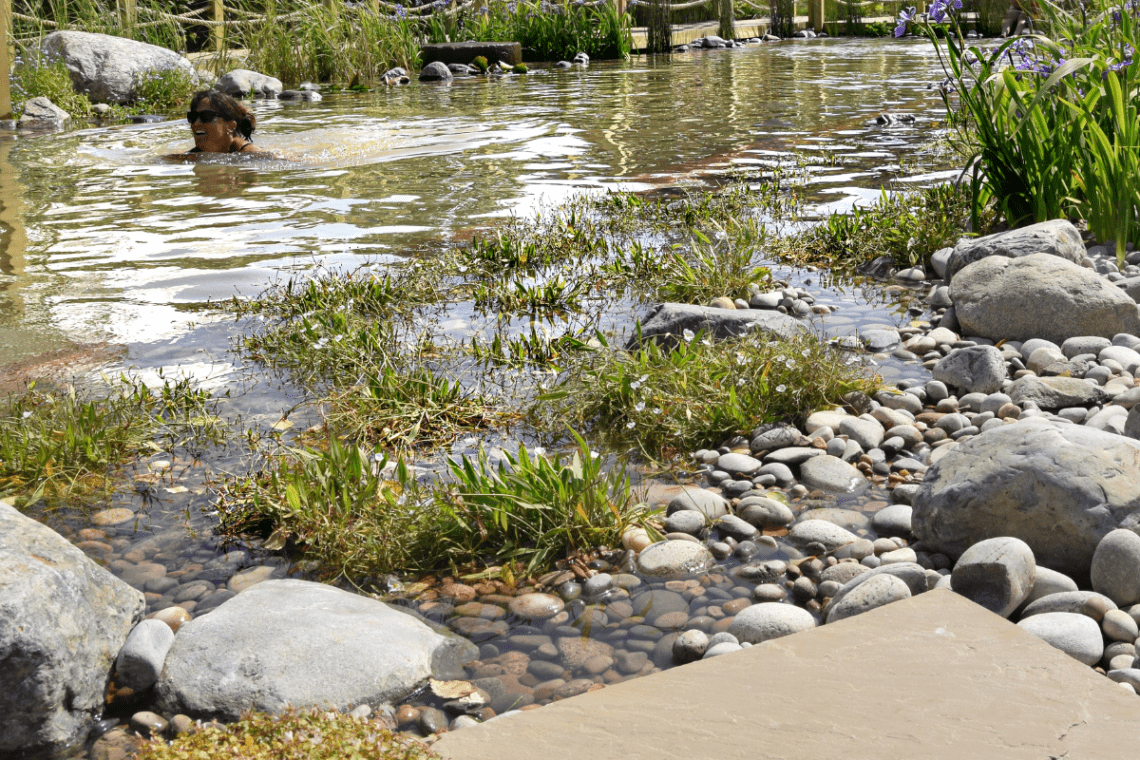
column 532, row 509
column 667, row 400
column 292, row 735
column 1045, row 118
column 907, row 225
column 58, row 445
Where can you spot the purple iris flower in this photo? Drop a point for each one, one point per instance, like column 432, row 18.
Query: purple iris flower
column 906, row 15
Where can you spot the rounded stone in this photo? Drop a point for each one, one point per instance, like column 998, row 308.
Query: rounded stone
column 1076, row 635
column 250, row 577
column 997, row 573
column 689, row 647
column 762, row 622
column 877, row 591
column 1115, row 567
column 108, row 517
column 1066, row 601
column 669, row 560
column 1118, row 625
column 175, row 617
column 765, row 513
column 830, row 535
column 685, row 521
column 537, row 606
column 893, row 520
column 711, row 505
column 148, row 723
column 831, row 474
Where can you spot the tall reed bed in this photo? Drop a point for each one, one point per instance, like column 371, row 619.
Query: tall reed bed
column 546, row 31
column 1048, row 120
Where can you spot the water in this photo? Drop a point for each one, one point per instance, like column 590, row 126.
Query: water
column 105, row 240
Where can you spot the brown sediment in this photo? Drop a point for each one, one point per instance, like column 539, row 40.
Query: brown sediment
column 60, row 366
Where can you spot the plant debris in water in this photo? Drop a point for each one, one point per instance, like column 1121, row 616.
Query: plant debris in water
column 293, row 735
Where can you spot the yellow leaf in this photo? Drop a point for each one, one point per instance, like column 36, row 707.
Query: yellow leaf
column 282, row 425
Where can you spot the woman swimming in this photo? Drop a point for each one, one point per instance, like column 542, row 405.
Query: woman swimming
column 221, row 124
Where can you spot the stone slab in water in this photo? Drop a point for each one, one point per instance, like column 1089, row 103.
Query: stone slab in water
column 1006, row 688
column 466, row 52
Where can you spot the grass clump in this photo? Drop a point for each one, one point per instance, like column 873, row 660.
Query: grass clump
column 666, row 401
column 359, row 517
column 293, row 735
column 58, row 445
column 908, row 226
column 533, row 509
column 336, row 505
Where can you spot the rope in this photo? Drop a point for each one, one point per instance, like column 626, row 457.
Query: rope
column 673, row 6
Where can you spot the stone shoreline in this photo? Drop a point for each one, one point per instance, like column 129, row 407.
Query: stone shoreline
column 1012, row 477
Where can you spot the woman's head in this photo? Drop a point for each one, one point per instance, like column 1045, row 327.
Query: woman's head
column 214, row 116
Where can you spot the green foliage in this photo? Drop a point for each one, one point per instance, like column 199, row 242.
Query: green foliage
column 163, row 91
column 38, row 78
column 293, row 735
column 696, row 393
column 335, row 506
column 908, row 226
column 57, row 445
column 298, row 41
column 534, row 510
column 724, row 266
column 1046, row 118
column 546, row 31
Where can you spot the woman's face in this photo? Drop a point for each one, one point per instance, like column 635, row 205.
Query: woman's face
column 214, row 136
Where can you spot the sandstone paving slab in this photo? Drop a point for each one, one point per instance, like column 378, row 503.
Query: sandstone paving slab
column 949, row 679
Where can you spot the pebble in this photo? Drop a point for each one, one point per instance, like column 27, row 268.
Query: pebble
column 537, row 606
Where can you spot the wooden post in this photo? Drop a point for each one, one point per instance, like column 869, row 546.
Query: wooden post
column 218, row 33
column 815, row 15
column 726, row 29
column 5, row 63
column 620, row 6
column 128, row 14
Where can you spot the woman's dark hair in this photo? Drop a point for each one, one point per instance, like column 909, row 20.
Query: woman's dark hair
column 230, row 109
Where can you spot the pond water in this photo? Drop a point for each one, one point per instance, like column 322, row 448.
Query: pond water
column 105, row 241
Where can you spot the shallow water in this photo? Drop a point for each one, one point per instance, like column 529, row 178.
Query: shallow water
column 103, row 239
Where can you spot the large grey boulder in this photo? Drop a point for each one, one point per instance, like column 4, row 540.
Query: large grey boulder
column 1055, row 238
column 667, row 323
column 997, row 573
column 291, row 642
column 1039, row 296
column 63, row 620
column 243, row 83
column 1059, row 488
column 978, row 369
column 106, row 68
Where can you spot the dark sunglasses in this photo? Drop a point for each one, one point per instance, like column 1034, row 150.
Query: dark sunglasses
column 203, row 116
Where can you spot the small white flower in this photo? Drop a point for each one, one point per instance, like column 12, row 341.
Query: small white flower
column 630, row 425
column 688, row 335
column 635, row 385
column 781, row 358
column 741, row 359
column 657, row 410
column 740, row 383
column 791, row 363
column 639, row 406
column 27, row 414
column 643, row 378
column 805, row 353
column 781, row 388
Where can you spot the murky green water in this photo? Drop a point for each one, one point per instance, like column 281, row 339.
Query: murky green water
column 105, row 241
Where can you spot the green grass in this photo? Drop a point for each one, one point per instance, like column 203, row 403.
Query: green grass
column 665, row 402
column 293, row 735
column 59, row 446
column 909, row 226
